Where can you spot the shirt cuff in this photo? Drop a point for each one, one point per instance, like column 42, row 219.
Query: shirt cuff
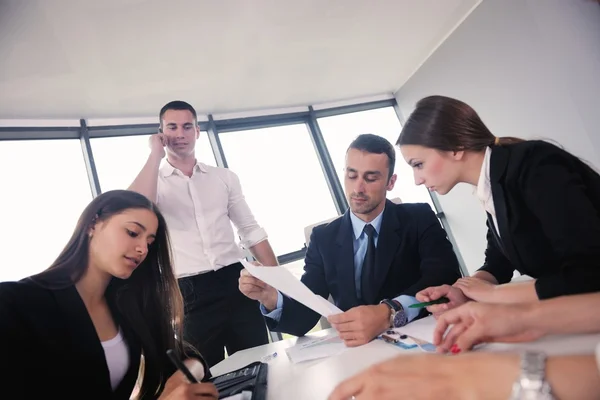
column 252, row 238
column 406, row 301
column 276, row 313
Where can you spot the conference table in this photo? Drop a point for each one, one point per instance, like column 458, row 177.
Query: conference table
column 316, row 379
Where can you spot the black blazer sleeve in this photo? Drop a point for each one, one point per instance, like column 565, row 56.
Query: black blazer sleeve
column 496, row 262
column 296, row 318
column 16, row 354
column 555, row 193
column 439, row 264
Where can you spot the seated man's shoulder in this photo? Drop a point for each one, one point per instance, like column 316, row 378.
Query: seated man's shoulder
column 325, row 229
column 415, row 209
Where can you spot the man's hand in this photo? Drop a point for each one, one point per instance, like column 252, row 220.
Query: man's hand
column 256, row 289
column 157, row 144
column 360, row 325
column 455, row 295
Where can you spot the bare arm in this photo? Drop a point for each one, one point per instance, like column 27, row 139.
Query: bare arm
column 146, row 181
column 566, row 314
column 475, row 376
column 263, row 252
column 486, row 276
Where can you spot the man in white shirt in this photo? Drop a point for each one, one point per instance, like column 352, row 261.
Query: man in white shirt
column 199, row 203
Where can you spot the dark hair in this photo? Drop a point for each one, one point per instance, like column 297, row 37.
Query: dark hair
column 149, row 302
column 447, row 124
column 177, row 105
column 376, row 145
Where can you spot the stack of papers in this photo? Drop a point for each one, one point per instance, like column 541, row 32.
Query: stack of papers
column 326, row 346
column 283, row 280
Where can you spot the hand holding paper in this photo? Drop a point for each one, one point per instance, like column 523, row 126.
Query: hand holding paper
column 283, row 280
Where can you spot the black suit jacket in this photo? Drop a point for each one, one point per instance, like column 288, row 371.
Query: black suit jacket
column 547, row 204
column 412, row 254
column 49, row 347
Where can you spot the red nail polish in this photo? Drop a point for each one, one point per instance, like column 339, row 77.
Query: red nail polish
column 455, row 350
column 454, row 347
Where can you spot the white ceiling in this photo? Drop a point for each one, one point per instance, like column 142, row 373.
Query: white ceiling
column 126, row 58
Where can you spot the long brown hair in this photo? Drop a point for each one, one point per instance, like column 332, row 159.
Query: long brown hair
column 447, row 124
column 149, row 302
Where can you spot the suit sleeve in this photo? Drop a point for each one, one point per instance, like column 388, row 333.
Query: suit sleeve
column 555, row 193
column 297, row 319
column 439, row 264
column 496, row 262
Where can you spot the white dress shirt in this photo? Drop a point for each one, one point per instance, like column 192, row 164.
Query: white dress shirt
column 484, row 188
column 199, row 211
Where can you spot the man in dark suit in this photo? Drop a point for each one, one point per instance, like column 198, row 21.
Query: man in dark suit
column 372, row 260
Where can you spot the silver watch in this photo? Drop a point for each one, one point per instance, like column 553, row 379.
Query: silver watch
column 532, row 384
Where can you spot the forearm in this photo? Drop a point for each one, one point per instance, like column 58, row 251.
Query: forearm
column 573, row 377
column 486, row 276
column 146, row 181
column 566, row 314
column 263, row 252
column 511, row 293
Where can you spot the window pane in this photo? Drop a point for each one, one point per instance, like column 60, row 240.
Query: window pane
column 119, row 159
column 40, row 202
column 282, row 180
column 340, row 130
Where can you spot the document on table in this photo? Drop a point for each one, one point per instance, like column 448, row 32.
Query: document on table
column 325, row 346
column 283, row 280
column 420, row 329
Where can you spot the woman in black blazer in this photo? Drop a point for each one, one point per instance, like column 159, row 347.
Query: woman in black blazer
column 542, row 204
column 102, row 316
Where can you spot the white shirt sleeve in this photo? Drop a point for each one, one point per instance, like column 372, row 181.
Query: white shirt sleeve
column 241, row 216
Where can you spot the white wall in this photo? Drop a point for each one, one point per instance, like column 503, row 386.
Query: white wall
column 531, row 68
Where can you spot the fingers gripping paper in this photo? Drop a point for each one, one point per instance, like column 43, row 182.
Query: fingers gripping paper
column 283, row 280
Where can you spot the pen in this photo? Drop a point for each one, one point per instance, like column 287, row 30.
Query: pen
column 181, row 366
column 441, row 300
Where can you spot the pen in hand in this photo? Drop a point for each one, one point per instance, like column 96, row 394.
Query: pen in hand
column 181, row 366
column 441, row 300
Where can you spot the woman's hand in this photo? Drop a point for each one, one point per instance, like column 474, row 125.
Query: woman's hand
column 476, row 289
column 455, row 295
column 178, row 387
column 472, row 376
column 474, row 323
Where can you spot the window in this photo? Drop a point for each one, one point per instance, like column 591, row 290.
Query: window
column 340, row 130
column 282, row 180
column 41, row 202
column 119, row 159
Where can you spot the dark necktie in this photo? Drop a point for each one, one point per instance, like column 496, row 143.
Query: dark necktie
column 368, row 267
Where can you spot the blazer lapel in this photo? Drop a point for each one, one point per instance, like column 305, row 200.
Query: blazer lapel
column 387, row 245
column 83, row 340
column 345, row 263
column 123, row 391
column 498, row 164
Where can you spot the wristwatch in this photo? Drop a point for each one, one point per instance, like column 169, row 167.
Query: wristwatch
column 397, row 314
column 532, row 384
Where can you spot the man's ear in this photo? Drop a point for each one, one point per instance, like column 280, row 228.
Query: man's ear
column 197, row 132
column 391, row 182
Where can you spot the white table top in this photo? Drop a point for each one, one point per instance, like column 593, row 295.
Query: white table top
column 316, row 379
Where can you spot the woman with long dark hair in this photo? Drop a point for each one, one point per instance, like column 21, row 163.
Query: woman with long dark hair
column 542, row 204
column 103, row 316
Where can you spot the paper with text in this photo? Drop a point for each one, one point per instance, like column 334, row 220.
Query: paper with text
column 283, row 280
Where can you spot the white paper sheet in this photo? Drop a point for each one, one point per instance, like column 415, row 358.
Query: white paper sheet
column 283, row 280
column 325, row 346
column 420, row 329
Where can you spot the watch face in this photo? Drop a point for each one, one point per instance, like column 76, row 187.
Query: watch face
column 400, row 319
